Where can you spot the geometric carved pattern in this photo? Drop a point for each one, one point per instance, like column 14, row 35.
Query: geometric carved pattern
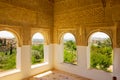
column 118, row 37
column 70, row 18
column 22, row 15
column 45, row 32
column 110, row 31
column 61, row 32
column 15, row 30
column 80, row 19
column 86, row 19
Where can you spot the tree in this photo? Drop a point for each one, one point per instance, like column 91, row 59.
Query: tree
column 101, row 55
column 11, row 48
column 37, row 53
column 0, row 42
column 70, row 55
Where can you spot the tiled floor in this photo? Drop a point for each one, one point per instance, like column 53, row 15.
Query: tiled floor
column 57, row 75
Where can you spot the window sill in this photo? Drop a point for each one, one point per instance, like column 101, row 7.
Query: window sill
column 69, row 64
column 99, row 70
column 39, row 65
column 6, row 73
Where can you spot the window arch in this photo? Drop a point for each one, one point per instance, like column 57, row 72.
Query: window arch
column 101, row 54
column 70, row 48
column 8, row 51
column 37, row 48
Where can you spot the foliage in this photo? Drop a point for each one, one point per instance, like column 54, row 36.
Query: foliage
column 7, row 61
column 101, row 55
column 7, row 54
column 37, row 53
column 70, row 55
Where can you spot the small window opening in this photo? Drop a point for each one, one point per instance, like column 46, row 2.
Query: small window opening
column 7, row 51
column 70, row 49
column 101, row 53
column 37, row 48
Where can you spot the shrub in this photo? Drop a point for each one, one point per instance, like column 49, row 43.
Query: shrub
column 101, row 55
column 70, row 55
column 37, row 54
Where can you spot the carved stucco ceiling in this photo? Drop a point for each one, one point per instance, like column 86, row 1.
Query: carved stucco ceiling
column 29, row 4
column 51, row 1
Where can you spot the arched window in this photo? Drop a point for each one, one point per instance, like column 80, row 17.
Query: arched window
column 7, row 51
column 37, row 48
column 70, row 49
column 101, row 54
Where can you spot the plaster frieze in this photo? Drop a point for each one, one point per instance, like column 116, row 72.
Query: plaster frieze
column 110, row 31
column 59, row 33
column 45, row 32
column 15, row 30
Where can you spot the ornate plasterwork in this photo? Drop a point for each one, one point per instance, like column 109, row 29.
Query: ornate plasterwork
column 19, row 16
column 118, row 38
column 117, row 24
column 15, row 30
column 59, row 33
column 84, row 20
column 32, row 5
column 45, row 32
column 109, row 30
column 24, row 35
column 79, row 19
column 83, row 32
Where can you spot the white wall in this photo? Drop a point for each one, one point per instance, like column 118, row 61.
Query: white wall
column 24, row 64
column 116, row 67
column 82, row 67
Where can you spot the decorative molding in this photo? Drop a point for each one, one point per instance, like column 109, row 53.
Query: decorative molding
column 117, row 34
column 15, row 30
column 99, row 25
column 16, row 23
column 60, row 32
column 110, row 31
column 51, row 1
column 93, row 6
column 20, row 4
column 103, row 3
column 32, row 5
column 84, row 17
column 118, row 38
column 45, row 32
